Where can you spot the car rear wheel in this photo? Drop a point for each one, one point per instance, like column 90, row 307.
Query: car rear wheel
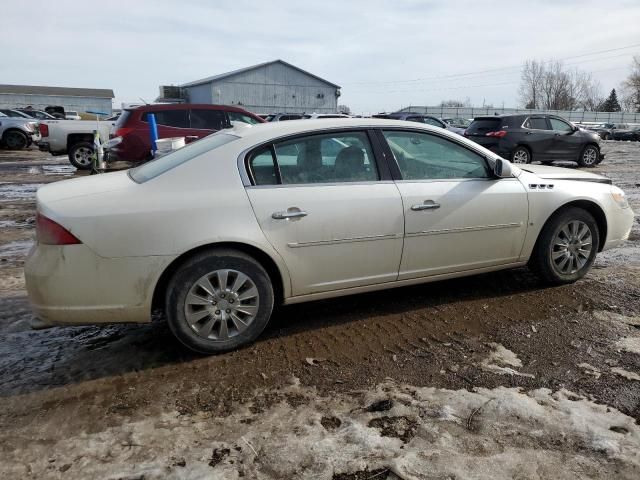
column 589, row 157
column 219, row 300
column 81, row 155
column 521, row 155
column 15, row 140
column 566, row 247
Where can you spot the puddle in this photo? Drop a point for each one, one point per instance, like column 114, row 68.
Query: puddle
column 15, row 224
column 19, row 191
column 59, row 169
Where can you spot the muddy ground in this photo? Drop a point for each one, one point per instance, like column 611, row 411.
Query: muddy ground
column 128, row 401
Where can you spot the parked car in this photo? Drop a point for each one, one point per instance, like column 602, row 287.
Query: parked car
column 281, row 117
column 56, row 111
column 37, row 114
column 219, row 232
column 308, row 116
column 420, row 118
column 14, row 113
column 175, row 120
column 75, row 139
column 457, row 122
column 631, row 134
column 527, row 138
column 17, row 133
column 71, row 115
column 606, row 130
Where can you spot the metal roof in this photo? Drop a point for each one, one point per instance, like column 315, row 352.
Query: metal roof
column 56, row 91
column 253, row 67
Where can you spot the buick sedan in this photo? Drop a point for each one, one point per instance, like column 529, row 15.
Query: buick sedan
column 219, row 232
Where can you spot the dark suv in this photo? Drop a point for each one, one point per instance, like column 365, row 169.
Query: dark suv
column 527, row 138
column 192, row 121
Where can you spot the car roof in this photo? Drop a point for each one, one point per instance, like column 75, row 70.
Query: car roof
column 185, row 106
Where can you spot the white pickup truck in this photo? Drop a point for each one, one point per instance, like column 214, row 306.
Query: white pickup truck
column 74, row 138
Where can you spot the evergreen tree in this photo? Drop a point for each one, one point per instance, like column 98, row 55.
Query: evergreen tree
column 611, row 104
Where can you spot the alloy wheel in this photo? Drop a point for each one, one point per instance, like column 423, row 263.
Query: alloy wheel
column 221, row 304
column 571, row 247
column 521, row 156
column 83, row 155
column 590, row 156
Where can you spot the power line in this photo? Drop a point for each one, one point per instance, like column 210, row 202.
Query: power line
column 501, row 69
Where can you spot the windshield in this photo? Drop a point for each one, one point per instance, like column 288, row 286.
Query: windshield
column 165, row 163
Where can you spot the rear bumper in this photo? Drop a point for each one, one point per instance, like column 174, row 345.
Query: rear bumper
column 71, row 285
column 44, row 146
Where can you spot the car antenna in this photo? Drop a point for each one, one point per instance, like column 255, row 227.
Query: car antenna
column 144, row 101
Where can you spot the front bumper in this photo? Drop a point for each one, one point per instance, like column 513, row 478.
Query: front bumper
column 619, row 224
column 71, row 285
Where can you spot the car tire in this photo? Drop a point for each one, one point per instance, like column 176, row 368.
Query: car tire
column 521, row 155
column 589, row 157
column 15, row 140
column 219, row 300
column 606, row 136
column 566, row 247
column 81, row 155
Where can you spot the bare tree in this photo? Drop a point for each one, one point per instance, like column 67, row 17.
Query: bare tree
column 344, row 109
column 549, row 85
column 530, row 83
column 631, row 88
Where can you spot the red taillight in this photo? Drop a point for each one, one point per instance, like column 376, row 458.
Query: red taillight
column 499, row 134
column 44, row 129
column 121, row 132
column 49, row 232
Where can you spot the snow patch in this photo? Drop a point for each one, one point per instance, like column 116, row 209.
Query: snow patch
column 625, row 374
column 495, row 434
column 500, row 361
column 629, row 344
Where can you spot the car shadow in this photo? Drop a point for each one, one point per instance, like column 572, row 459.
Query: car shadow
column 38, row 360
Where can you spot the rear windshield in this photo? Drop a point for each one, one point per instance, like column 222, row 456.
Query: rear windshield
column 483, row 126
column 163, row 164
column 122, row 119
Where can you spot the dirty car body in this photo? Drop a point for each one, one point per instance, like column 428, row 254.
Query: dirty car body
column 220, row 231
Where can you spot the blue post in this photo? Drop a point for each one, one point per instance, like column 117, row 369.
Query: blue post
column 153, row 129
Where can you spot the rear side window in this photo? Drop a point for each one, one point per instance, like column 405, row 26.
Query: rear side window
column 123, row 118
column 484, row 126
column 208, row 119
column 163, row 164
column 171, row 118
column 536, row 123
column 329, row 158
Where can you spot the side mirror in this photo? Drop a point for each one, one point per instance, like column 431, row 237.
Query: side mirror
column 502, row 169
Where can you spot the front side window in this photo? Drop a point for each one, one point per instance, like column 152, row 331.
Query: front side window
column 329, row 158
column 421, row 156
column 560, row 126
column 433, row 121
column 204, row 119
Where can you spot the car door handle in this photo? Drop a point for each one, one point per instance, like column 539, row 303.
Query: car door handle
column 290, row 213
column 427, row 205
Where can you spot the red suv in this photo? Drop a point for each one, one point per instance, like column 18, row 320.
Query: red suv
column 176, row 120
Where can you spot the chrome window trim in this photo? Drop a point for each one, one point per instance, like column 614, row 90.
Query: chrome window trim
column 534, row 129
column 326, row 184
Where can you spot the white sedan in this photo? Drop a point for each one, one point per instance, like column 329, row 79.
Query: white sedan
column 220, row 231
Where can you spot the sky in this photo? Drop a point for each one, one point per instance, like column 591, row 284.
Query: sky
column 384, row 54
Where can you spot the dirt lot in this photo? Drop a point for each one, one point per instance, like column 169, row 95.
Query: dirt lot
column 511, row 379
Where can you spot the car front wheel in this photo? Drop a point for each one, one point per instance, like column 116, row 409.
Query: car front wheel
column 219, row 300
column 589, row 157
column 566, row 247
column 521, row 155
column 15, row 140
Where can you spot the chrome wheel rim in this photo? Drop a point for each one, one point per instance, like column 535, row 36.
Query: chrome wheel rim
column 83, row 155
column 571, row 247
column 590, row 156
column 521, row 156
column 221, row 305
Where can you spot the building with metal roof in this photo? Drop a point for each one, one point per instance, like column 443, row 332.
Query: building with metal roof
column 40, row 97
column 270, row 87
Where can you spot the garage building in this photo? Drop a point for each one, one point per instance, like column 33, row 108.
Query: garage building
column 271, row 87
column 39, row 97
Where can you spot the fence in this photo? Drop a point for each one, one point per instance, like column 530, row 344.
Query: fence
column 571, row 115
